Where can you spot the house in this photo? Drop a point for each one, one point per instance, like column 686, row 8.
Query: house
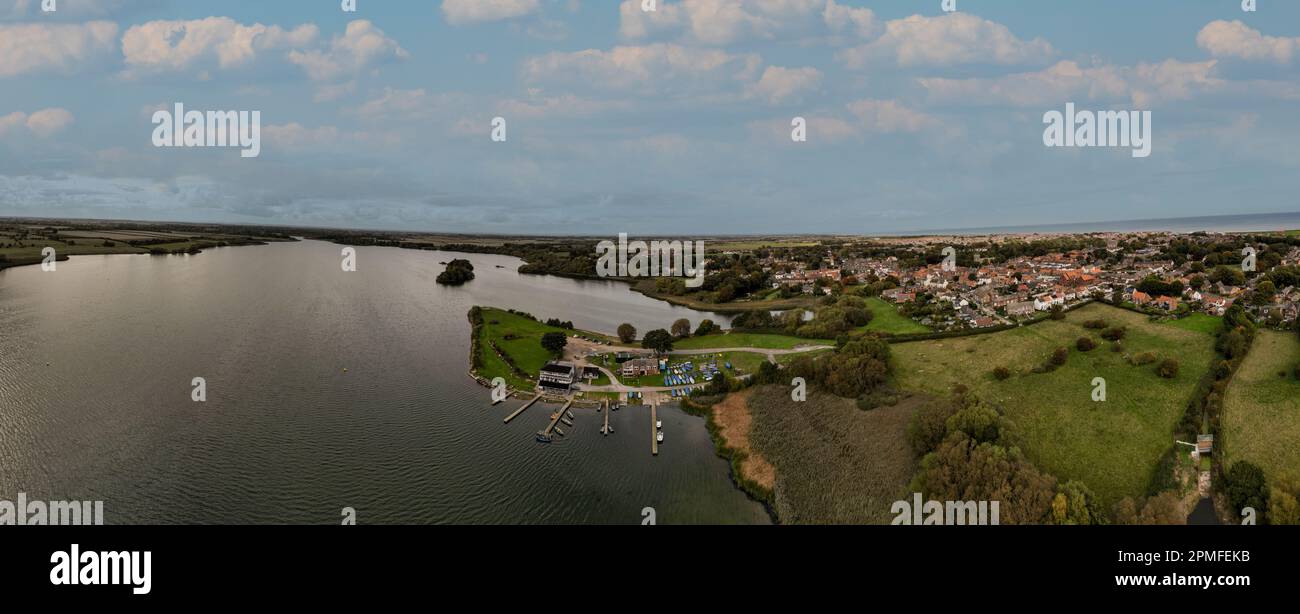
column 1204, row 444
column 1141, row 298
column 1020, row 308
column 640, row 366
column 1167, row 303
column 556, row 375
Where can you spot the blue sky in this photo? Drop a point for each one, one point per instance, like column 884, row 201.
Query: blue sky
column 672, row 122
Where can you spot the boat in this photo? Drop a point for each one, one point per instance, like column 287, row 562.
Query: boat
column 559, row 431
column 543, row 438
column 659, row 437
column 659, row 424
column 569, row 414
column 566, row 421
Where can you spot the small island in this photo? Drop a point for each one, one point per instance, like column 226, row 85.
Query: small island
column 458, row 272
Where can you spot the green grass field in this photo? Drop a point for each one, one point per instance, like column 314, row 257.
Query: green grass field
column 1199, row 322
column 1112, row 446
column 525, row 348
column 752, row 340
column 886, row 319
column 1262, row 409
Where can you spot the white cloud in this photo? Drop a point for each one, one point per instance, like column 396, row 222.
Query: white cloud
column 70, row 9
column 460, row 12
column 668, row 67
column 889, row 116
column 221, row 42
column 778, row 84
column 565, row 105
column 859, row 21
column 58, row 48
column 1143, row 84
column 359, row 47
column 43, row 123
column 1234, row 39
column 722, row 22
column 947, row 40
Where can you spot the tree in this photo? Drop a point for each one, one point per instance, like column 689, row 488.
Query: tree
column 1247, row 487
column 554, row 343
column 1282, row 507
column 706, row 327
column 681, row 328
column 626, row 332
column 1085, row 344
column 458, row 272
column 928, row 426
column 658, row 340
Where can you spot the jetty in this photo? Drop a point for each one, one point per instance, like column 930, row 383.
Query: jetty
column 521, row 409
column 654, row 441
column 605, row 430
column 546, row 432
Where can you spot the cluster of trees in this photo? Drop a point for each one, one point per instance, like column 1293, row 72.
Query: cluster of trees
column 458, row 272
column 554, row 343
column 966, row 454
column 556, row 322
column 1155, row 286
column 858, row 367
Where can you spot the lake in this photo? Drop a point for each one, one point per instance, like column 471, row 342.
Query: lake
column 325, row 389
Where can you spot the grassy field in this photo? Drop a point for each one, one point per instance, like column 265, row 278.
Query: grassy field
column 524, row 346
column 1112, row 446
column 886, row 319
column 742, row 340
column 1199, row 322
column 834, row 463
column 1262, row 409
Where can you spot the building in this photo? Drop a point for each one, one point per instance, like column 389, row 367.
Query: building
column 1020, row 308
column 556, row 375
column 640, row 366
column 1204, row 444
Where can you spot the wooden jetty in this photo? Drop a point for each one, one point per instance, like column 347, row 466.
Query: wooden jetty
column 654, row 431
column 521, row 409
column 605, row 430
column 546, row 432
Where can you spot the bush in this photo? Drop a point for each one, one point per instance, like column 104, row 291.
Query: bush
column 1117, row 347
column 1168, row 369
column 1144, row 358
column 1085, row 344
column 1001, row 373
column 1095, row 324
column 1113, row 334
column 880, row 397
column 1060, row 355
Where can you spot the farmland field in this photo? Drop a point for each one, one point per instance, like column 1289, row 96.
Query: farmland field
column 1112, row 446
column 1262, row 409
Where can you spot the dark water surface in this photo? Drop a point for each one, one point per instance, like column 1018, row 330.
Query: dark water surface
column 97, row 358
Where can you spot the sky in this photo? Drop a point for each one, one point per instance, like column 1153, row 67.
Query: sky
column 672, row 122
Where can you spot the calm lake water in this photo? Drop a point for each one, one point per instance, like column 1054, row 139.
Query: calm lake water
column 97, row 358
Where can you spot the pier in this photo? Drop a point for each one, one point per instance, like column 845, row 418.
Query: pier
column 654, row 441
column 546, row 432
column 521, row 409
column 605, row 430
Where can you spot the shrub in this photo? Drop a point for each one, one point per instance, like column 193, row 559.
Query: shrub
column 1144, row 358
column 1001, row 373
column 1095, row 324
column 1085, row 344
column 1117, row 347
column 1060, row 355
column 1113, row 334
column 1168, row 369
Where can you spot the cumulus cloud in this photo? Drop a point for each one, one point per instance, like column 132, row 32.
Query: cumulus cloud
column 461, row 12
column 1234, row 39
column 72, row 9
column 889, row 116
column 56, row 48
column 947, row 40
column 43, row 123
column 668, row 67
column 778, row 84
column 1143, row 84
column 221, row 42
column 721, row 22
column 359, row 47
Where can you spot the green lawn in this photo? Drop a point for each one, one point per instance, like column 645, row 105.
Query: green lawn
column 886, row 319
column 1199, row 322
column 1112, row 446
column 753, row 340
column 525, row 348
column 1262, row 409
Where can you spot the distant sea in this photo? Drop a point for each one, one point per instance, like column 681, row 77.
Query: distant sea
column 1211, row 223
